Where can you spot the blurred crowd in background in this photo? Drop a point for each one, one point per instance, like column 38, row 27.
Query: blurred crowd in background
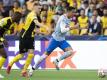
column 90, row 15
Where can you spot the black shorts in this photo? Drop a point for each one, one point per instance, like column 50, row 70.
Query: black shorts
column 25, row 44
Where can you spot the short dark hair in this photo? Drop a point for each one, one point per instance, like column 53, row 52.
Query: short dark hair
column 70, row 9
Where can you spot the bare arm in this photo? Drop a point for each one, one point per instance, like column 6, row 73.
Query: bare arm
column 38, row 23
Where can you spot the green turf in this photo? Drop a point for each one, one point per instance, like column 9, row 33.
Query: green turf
column 55, row 75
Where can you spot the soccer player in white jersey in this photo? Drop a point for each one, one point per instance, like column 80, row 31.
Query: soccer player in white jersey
column 58, row 39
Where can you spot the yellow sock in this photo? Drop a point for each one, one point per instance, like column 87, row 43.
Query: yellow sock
column 2, row 61
column 17, row 58
column 28, row 61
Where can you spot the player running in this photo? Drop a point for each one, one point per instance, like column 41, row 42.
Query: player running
column 5, row 25
column 58, row 39
column 26, row 43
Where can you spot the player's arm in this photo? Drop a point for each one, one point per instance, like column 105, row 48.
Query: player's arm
column 65, row 28
column 38, row 23
column 4, row 41
column 2, row 23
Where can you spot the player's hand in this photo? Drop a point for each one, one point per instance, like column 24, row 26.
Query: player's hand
column 5, row 43
column 75, row 27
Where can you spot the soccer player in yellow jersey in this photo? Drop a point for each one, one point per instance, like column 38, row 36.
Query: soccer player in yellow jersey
column 26, row 39
column 82, row 21
column 5, row 25
column 104, row 19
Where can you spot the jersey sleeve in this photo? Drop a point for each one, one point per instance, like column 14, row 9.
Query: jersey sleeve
column 64, row 27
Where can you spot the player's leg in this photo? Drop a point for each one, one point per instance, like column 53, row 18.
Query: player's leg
column 17, row 57
column 28, row 62
column 68, row 51
column 3, row 58
column 30, row 47
column 52, row 45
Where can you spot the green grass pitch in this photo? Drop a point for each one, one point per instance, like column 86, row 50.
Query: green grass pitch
column 55, row 75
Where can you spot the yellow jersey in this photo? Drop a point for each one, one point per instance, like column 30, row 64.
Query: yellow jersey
column 5, row 25
column 29, row 26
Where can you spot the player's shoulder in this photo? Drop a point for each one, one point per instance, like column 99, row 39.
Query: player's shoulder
column 31, row 14
column 62, row 18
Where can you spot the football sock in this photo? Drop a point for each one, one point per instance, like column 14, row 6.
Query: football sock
column 17, row 58
column 44, row 56
column 65, row 55
column 2, row 61
column 28, row 61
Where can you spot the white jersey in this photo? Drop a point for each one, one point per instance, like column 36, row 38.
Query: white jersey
column 62, row 27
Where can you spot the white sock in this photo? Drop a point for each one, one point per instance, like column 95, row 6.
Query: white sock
column 40, row 60
column 65, row 55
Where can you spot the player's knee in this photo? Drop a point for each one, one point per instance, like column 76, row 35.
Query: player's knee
column 68, row 49
column 31, row 51
column 70, row 52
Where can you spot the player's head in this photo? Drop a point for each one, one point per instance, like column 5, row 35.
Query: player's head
column 37, row 8
column 16, row 17
column 70, row 12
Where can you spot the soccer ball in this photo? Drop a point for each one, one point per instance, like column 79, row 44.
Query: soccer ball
column 101, row 73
